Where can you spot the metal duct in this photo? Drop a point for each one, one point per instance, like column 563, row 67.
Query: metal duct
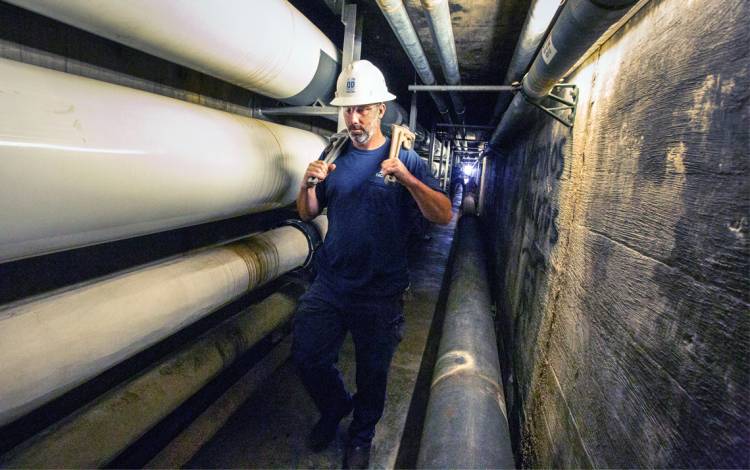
column 466, row 424
column 266, row 46
column 541, row 13
column 395, row 12
column 439, row 18
column 84, row 162
column 579, row 25
column 51, row 344
column 95, row 435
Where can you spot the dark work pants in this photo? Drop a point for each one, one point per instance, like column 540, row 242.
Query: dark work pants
column 320, row 326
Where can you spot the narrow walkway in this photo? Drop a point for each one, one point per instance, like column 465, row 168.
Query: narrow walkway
column 269, row 430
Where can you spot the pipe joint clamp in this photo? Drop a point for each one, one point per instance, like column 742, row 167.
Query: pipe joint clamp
column 314, row 238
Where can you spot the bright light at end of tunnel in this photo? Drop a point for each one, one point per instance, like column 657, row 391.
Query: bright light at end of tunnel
column 468, row 169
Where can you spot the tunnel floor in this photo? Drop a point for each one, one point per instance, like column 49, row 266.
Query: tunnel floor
column 269, row 430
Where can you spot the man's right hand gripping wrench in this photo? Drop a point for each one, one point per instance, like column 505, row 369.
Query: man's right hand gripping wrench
column 317, row 171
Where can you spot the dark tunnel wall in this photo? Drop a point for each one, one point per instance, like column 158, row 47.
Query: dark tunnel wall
column 621, row 252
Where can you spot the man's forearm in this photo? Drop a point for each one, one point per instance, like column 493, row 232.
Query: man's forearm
column 434, row 205
column 307, row 204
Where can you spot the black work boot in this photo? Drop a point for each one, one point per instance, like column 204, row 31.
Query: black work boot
column 324, row 431
column 357, row 456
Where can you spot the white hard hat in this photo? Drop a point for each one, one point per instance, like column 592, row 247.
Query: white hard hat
column 361, row 83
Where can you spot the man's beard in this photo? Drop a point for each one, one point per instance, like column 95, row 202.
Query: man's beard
column 365, row 134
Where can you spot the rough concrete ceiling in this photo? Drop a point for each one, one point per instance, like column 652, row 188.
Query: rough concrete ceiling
column 486, row 32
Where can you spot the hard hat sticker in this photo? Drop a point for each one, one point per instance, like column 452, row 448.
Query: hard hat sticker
column 350, row 85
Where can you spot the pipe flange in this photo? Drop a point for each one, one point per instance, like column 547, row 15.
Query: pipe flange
column 314, row 239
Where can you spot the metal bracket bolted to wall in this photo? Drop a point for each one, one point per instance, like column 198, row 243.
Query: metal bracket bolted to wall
column 557, row 112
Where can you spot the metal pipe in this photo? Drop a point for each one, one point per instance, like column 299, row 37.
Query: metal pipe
column 266, row 46
column 536, row 25
column 93, row 436
column 579, row 25
column 439, row 19
column 433, row 145
column 464, row 126
column 466, row 422
column 53, row 343
column 328, row 112
column 395, row 13
column 461, row 88
column 84, row 162
column 482, row 186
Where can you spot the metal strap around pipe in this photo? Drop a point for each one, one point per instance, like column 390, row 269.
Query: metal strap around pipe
column 96, row 434
column 51, row 344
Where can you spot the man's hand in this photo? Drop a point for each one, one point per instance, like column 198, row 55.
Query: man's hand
column 395, row 167
column 434, row 205
column 317, row 169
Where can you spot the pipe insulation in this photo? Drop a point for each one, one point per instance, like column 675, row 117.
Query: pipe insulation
column 397, row 17
column 85, row 162
column 93, row 436
column 580, row 24
column 266, row 46
column 55, row 342
column 438, row 17
column 466, row 422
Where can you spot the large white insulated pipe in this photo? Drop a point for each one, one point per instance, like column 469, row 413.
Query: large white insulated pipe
column 49, row 345
column 84, row 162
column 266, row 46
column 94, row 435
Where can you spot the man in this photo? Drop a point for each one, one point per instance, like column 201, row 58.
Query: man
column 362, row 268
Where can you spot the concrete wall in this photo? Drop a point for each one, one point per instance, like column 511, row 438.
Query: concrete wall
column 621, row 252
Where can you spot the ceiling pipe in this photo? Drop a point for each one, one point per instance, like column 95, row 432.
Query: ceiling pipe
column 266, row 46
column 578, row 27
column 395, row 12
column 439, row 18
column 55, row 342
column 85, row 162
column 128, row 411
column 466, row 422
column 536, row 25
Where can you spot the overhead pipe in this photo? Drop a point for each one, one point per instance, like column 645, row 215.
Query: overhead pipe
column 439, row 18
column 395, row 13
column 53, row 343
column 266, row 46
column 580, row 24
column 93, row 436
column 84, row 162
column 536, row 25
column 466, row 423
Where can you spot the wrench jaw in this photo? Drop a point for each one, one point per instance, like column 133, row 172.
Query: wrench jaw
column 401, row 136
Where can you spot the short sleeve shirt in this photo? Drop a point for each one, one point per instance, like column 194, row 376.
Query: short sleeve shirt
column 364, row 252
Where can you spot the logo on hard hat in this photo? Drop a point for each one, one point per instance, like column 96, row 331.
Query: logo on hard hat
column 350, row 85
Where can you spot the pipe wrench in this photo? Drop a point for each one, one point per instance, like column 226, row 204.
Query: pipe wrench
column 401, row 136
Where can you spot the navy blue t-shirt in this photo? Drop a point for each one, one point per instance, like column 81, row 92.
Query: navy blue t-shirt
column 364, row 252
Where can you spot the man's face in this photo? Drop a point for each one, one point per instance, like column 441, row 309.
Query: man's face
column 363, row 122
